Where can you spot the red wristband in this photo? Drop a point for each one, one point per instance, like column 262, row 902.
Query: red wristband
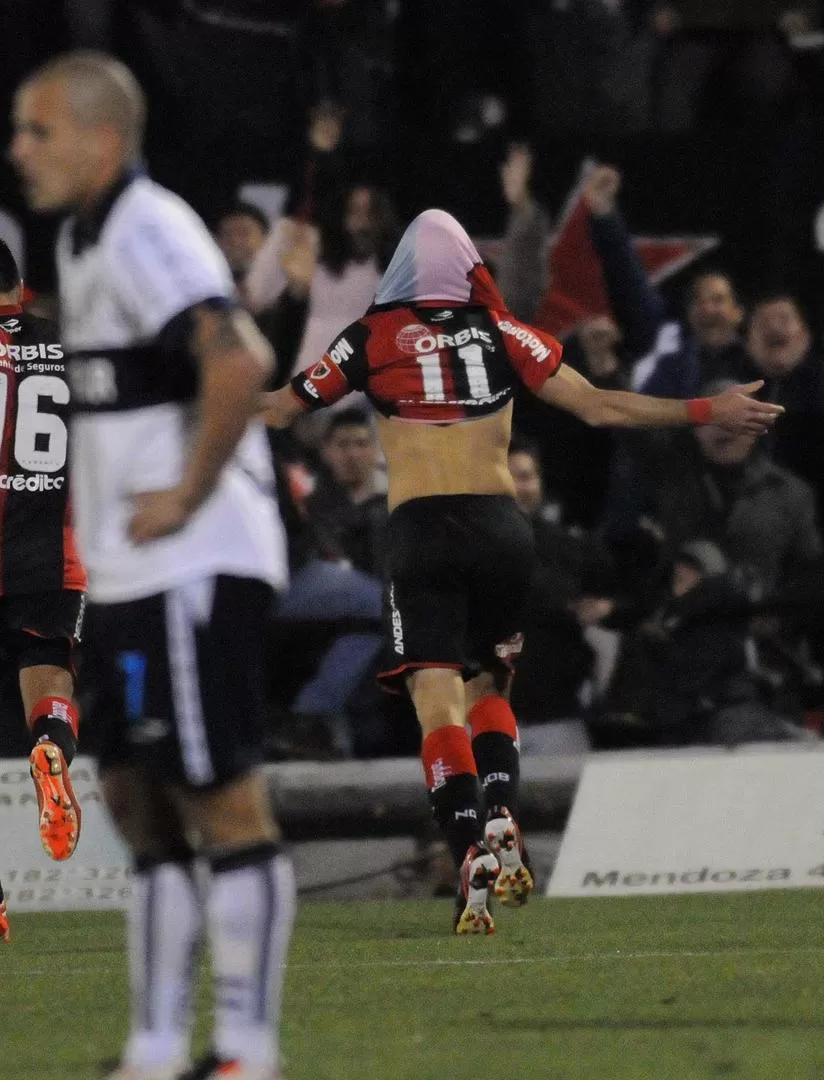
column 699, row 410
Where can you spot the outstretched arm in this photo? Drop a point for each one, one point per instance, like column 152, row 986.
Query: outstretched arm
column 734, row 410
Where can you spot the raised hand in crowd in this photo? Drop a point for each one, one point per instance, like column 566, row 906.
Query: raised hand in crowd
column 299, row 259
column 601, row 190
column 516, row 173
column 599, row 338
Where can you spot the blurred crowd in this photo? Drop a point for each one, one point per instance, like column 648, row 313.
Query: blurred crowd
column 680, row 595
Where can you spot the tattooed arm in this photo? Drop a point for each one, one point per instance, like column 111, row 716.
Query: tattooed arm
column 234, row 360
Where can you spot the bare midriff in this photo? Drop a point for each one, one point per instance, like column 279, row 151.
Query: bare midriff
column 467, row 457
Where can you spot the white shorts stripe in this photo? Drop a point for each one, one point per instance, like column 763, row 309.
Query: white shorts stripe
column 191, row 730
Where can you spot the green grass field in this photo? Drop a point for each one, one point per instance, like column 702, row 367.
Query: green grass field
column 644, row 988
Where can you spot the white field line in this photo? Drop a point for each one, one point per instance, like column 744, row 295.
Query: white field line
column 550, row 958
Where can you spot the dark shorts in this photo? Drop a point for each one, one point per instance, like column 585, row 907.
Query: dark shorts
column 42, row 628
column 176, row 681
column 460, row 568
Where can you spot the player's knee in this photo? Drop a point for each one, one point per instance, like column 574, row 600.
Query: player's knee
column 232, row 815
column 148, row 829
column 438, row 697
column 480, row 687
column 435, row 718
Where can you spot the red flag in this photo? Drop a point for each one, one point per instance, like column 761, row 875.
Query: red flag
column 576, row 288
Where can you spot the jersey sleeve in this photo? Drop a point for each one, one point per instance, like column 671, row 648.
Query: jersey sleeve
column 164, row 262
column 534, row 354
column 342, row 369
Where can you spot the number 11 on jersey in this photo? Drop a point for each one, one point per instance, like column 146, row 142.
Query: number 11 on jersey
column 472, row 357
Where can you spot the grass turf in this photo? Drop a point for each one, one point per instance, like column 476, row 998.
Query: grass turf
column 643, row 988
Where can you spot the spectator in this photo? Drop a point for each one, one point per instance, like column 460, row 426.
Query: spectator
column 683, row 357
column 521, row 271
column 682, row 675
column 320, row 177
column 323, row 169
column 729, row 491
column 348, row 506
column 714, row 349
column 571, row 591
column 781, row 352
column 578, row 458
column 241, row 233
column 330, row 276
column 339, row 586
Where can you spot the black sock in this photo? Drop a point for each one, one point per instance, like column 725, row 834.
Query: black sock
column 456, row 805
column 58, row 731
column 499, row 769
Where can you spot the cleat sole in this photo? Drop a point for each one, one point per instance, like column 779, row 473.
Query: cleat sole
column 514, row 882
column 513, row 889
column 59, row 810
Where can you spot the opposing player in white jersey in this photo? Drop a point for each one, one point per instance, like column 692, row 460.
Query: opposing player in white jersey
column 178, row 525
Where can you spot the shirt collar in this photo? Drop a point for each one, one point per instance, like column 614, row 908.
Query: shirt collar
column 86, row 228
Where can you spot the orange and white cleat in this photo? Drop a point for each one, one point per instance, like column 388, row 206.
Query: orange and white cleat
column 503, row 837
column 5, row 931
column 478, row 873
column 58, row 808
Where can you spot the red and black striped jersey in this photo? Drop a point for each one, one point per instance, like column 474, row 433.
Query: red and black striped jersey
column 431, row 362
column 37, row 549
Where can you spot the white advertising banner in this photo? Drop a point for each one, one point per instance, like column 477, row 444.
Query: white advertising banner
column 696, row 821
column 96, row 876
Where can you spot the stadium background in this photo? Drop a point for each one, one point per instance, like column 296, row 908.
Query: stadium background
column 712, row 986
column 434, row 91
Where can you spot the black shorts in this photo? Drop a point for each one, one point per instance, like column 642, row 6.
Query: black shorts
column 42, row 628
column 460, row 568
column 176, row 681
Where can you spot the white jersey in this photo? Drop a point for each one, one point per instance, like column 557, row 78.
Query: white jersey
column 134, row 385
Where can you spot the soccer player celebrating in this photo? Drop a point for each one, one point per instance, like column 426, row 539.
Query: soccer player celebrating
column 42, row 581
column 176, row 520
column 438, row 354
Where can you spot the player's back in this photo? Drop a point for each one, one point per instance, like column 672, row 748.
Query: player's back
column 37, row 552
column 442, row 380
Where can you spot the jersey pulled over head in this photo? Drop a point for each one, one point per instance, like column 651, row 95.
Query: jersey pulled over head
column 436, row 260
column 438, row 345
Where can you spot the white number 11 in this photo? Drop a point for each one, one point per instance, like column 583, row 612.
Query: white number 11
column 473, row 360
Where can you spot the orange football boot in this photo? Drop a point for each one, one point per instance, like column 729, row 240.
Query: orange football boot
column 59, row 809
